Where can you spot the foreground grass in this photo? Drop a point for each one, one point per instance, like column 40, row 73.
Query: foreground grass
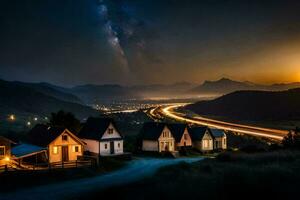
column 229, row 176
column 12, row 181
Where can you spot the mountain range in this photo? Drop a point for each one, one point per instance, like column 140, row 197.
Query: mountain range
column 225, row 85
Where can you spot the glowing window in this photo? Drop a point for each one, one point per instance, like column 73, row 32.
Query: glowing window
column 205, row 143
column 55, row 150
column 75, row 148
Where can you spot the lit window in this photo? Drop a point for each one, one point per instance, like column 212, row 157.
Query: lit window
column 75, row 148
column 205, row 143
column 2, row 150
column 105, row 146
column 55, row 150
column 110, row 131
column 65, row 138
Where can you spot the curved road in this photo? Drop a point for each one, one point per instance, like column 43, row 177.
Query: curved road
column 168, row 111
column 134, row 171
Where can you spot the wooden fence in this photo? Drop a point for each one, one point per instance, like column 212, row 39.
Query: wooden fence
column 50, row 166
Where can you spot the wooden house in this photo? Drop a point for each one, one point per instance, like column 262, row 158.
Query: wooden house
column 157, row 137
column 220, row 140
column 202, row 138
column 61, row 144
column 102, row 137
column 181, row 135
column 5, row 150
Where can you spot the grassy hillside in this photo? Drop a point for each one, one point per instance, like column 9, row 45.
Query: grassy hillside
column 272, row 175
column 253, row 105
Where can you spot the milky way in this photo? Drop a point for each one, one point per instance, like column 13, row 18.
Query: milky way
column 112, row 36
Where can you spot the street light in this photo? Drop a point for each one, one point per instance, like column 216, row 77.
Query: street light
column 28, row 123
column 12, row 117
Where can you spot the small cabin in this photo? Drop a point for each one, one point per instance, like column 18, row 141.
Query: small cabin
column 202, row 138
column 5, row 150
column 181, row 135
column 102, row 137
column 220, row 140
column 157, row 137
column 61, row 144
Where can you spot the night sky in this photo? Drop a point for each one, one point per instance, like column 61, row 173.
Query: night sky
column 70, row 42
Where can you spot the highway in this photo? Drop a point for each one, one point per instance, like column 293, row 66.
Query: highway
column 169, row 111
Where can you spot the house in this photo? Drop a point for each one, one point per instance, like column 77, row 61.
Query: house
column 181, row 135
column 220, row 141
column 61, row 144
column 202, row 138
column 5, row 150
column 157, row 137
column 102, row 137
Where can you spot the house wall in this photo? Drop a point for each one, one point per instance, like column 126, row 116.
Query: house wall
column 221, row 143
column 166, row 143
column 106, row 151
column 58, row 142
column 115, row 133
column 149, row 145
column 91, row 145
column 7, row 146
column 183, row 141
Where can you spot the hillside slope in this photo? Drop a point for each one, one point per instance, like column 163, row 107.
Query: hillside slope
column 253, row 105
column 23, row 100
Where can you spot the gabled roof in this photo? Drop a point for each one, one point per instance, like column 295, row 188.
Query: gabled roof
column 198, row 132
column 217, row 133
column 42, row 135
column 94, row 128
column 177, row 130
column 152, row 130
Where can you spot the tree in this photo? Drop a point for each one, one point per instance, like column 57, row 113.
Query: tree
column 66, row 120
column 292, row 139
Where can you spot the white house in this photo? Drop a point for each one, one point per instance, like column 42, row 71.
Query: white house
column 220, row 140
column 202, row 138
column 102, row 137
column 157, row 137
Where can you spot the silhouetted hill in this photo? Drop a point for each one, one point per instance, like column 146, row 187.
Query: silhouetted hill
column 25, row 99
column 253, row 105
column 225, row 86
column 52, row 90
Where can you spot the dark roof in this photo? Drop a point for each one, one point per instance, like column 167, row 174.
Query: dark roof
column 42, row 135
column 152, row 130
column 177, row 130
column 94, row 128
column 6, row 140
column 217, row 133
column 198, row 132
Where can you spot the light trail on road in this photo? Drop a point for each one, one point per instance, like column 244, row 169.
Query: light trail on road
column 245, row 129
